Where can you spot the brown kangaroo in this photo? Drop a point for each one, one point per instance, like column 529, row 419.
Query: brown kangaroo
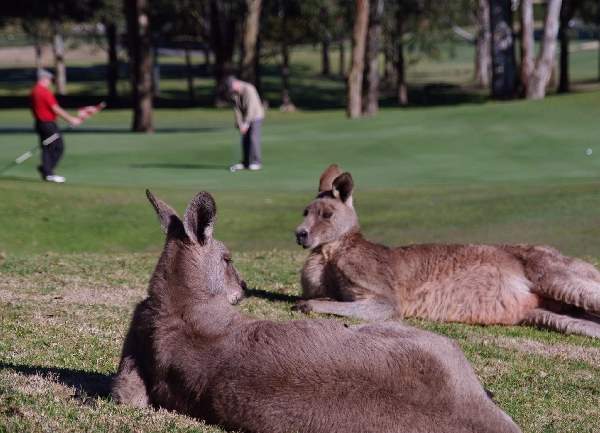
column 479, row 284
column 188, row 349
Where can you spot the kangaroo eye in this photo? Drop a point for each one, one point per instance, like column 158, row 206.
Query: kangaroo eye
column 305, row 212
column 327, row 215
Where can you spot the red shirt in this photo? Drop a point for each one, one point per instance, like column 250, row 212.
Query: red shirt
column 42, row 101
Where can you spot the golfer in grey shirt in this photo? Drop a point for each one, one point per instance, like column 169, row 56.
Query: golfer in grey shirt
column 249, row 115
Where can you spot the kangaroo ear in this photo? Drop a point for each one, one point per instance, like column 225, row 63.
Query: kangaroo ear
column 169, row 221
column 343, row 185
column 199, row 217
column 326, row 180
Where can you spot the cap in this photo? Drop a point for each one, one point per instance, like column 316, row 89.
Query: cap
column 43, row 73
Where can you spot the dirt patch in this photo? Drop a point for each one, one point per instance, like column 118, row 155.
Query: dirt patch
column 562, row 351
column 76, row 292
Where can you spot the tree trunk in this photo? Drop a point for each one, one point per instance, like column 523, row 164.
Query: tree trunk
column 527, row 44
column 249, row 41
column 389, row 67
column 58, row 47
column 483, row 56
column 286, row 101
column 355, row 77
column 598, row 38
column 325, row 65
column 372, row 76
column 257, row 72
column 140, row 64
column 189, row 70
column 38, row 54
column 325, row 42
column 342, row 64
column 206, row 51
column 222, row 37
column 401, row 87
column 566, row 15
column 540, row 76
column 112, row 72
column 155, row 72
column 503, row 50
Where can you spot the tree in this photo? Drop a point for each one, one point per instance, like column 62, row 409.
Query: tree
column 58, row 48
column 401, row 86
column 483, row 57
column 355, row 77
column 503, row 50
column 112, row 70
column 110, row 14
column 373, row 48
column 527, row 44
column 589, row 11
column 38, row 31
column 249, row 65
column 537, row 80
column 566, row 15
column 325, row 40
column 223, row 22
column 42, row 19
column 140, row 63
column 288, row 23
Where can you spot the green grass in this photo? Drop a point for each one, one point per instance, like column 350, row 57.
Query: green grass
column 75, row 258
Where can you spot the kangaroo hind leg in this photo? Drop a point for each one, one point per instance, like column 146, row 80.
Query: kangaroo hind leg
column 571, row 289
column 562, row 323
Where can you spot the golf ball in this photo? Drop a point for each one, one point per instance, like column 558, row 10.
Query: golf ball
column 588, row 152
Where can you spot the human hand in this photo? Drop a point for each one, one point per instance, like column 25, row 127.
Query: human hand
column 75, row 121
column 244, row 129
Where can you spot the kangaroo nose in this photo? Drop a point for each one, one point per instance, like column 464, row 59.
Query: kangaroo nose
column 301, row 236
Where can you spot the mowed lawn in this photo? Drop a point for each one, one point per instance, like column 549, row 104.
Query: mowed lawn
column 75, row 258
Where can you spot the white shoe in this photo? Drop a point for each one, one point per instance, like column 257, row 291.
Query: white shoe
column 55, row 178
column 237, row 167
column 254, row 167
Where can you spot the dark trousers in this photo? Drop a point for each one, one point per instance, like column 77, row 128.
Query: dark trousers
column 251, row 144
column 52, row 146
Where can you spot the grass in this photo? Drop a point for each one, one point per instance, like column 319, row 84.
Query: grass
column 75, row 258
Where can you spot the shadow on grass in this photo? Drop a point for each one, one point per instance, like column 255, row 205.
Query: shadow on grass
column 88, row 385
column 180, row 166
column 111, row 130
column 4, row 176
column 271, row 296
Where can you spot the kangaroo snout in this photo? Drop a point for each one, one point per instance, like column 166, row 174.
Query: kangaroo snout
column 301, row 237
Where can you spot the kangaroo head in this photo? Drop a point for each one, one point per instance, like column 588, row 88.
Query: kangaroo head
column 331, row 215
column 194, row 266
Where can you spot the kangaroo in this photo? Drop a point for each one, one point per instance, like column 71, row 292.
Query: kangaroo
column 188, row 349
column 477, row 284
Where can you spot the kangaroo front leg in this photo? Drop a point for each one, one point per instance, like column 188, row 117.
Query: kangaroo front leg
column 128, row 386
column 571, row 289
column 364, row 309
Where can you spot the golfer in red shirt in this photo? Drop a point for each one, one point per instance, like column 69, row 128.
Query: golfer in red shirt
column 45, row 110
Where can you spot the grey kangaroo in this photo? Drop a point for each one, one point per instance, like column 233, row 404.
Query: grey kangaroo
column 479, row 284
column 189, row 350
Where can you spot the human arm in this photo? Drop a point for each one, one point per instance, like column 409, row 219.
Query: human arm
column 73, row 120
column 240, row 122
